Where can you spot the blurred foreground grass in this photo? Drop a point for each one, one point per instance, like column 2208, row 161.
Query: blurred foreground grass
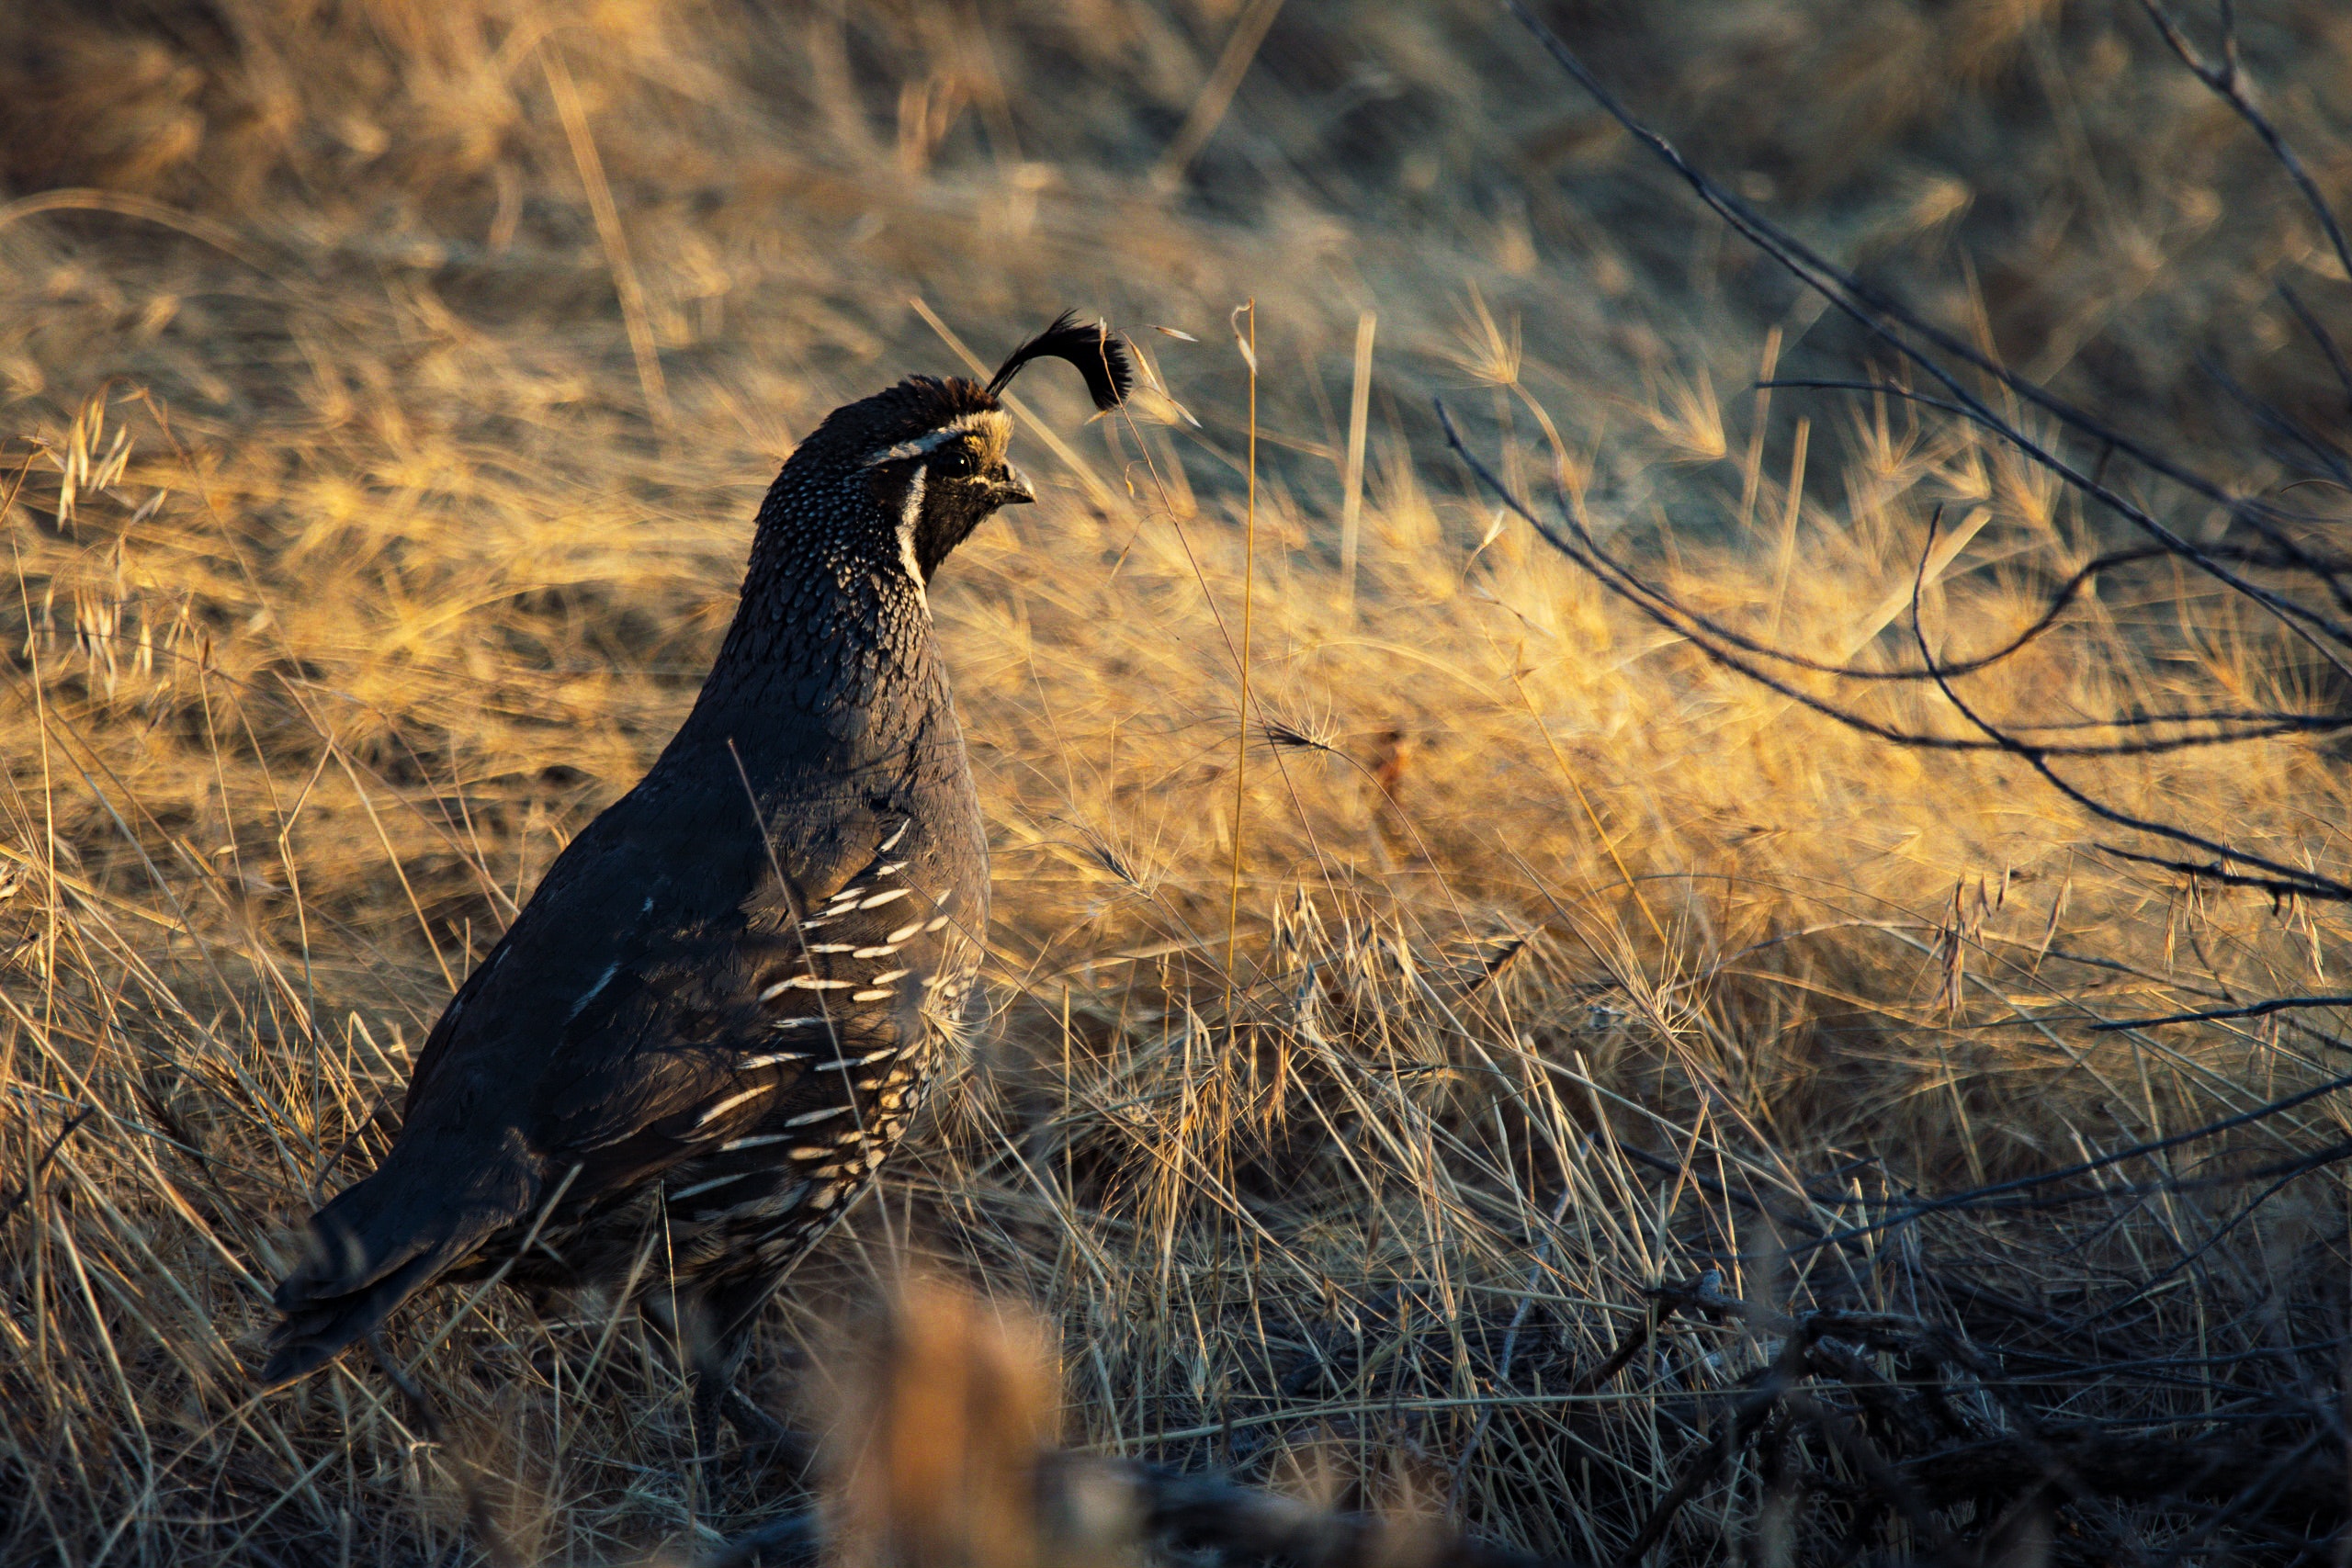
column 391, row 385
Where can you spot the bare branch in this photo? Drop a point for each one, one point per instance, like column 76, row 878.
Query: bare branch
column 2253, row 1010
column 1889, row 321
column 2228, row 80
column 1726, row 647
column 1897, row 326
column 2324, row 338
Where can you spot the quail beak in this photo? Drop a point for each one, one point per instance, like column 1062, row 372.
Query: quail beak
column 1013, row 488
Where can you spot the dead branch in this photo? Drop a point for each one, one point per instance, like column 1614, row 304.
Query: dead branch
column 1904, row 331
column 1942, row 357
column 1922, row 1422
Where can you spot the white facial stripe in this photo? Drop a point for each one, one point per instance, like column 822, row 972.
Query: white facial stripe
column 979, row 423
column 929, row 442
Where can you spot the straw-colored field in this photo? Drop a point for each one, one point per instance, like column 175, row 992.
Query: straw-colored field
column 387, row 386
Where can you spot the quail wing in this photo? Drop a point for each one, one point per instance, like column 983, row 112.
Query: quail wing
column 592, row 1053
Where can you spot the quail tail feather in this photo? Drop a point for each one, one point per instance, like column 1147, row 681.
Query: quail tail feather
column 382, row 1240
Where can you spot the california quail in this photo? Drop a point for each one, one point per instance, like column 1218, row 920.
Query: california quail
column 730, row 993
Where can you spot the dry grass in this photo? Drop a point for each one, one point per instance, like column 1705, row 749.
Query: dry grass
column 394, row 383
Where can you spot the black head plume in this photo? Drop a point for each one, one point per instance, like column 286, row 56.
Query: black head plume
column 1100, row 357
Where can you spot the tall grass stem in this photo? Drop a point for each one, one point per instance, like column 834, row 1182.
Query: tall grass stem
column 1241, row 724
column 1351, row 502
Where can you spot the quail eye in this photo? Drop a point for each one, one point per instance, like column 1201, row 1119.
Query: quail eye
column 955, row 463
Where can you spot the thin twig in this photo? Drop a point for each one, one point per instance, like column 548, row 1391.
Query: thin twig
column 2253, row 1010
column 2227, row 79
column 1889, row 321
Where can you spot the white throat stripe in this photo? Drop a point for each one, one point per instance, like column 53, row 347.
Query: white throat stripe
column 909, row 515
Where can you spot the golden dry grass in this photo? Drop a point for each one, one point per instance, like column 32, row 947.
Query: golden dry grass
column 393, row 385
